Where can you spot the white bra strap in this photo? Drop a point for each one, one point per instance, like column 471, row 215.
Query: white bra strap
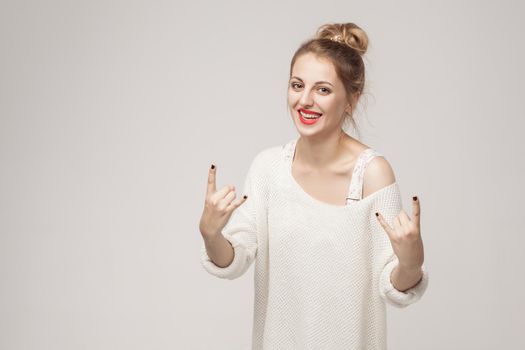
column 355, row 191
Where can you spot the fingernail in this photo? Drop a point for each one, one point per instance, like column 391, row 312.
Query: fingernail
column 245, row 196
column 213, row 166
column 377, row 214
column 414, row 198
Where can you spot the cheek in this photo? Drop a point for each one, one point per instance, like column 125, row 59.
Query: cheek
column 331, row 104
column 292, row 98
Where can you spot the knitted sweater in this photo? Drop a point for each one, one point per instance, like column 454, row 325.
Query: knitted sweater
column 322, row 271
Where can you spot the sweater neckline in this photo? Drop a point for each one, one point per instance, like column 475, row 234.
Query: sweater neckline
column 288, row 154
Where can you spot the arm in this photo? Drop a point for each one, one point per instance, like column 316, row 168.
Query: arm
column 230, row 253
column 233, row 252
column 219, row 249
column 392, row 295
column 404, row 278
column 398, row 285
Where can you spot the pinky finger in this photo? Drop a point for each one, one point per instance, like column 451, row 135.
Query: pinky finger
column 385, row 225
column 236, row 203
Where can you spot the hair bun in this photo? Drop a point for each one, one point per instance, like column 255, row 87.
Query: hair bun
column 346, row 33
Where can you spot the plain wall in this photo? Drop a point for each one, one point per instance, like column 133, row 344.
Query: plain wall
column 111, row 113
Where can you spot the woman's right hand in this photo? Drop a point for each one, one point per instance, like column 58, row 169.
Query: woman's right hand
column 218, row 206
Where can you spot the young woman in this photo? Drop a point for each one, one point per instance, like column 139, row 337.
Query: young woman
column 321, row 216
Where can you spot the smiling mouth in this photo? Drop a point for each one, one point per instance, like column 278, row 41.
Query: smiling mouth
column 307, row 119
column 309, row 115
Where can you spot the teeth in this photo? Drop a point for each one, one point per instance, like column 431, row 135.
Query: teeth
column 309, row 116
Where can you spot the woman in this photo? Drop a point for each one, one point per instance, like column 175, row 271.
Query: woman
column 325, row 262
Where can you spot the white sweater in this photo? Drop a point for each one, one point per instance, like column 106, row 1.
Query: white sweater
column 322, row 271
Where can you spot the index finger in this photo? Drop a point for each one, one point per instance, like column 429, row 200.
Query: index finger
column 211, row 188
column 416, row 210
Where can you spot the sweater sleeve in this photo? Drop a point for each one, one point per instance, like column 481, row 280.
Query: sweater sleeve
column 241, row 232
column 388, row 203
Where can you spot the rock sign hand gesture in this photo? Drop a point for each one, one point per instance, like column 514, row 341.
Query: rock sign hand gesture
column 218, row 206
column 405, row 236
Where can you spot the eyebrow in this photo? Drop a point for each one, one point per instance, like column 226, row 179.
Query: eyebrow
column 318, row 82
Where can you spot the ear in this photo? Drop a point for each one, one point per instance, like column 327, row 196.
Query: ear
column 348, row 109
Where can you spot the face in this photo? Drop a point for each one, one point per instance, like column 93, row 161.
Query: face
column 315, row 89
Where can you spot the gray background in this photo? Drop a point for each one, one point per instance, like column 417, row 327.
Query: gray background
column 111, row 113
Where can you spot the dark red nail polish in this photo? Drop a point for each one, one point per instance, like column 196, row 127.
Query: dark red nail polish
column 245, row 196
column 213, row 166
column 414, row 198
column 377, row 214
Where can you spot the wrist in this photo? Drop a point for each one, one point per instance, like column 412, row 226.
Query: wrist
column 410, row 268
column 209, row 237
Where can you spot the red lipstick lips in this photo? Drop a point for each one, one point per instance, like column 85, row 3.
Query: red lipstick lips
column 307, row 111
column 308, row 121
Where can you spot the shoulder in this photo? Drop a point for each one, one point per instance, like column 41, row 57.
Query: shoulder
column 265, row 159
column 377, row 175
column 267, row 155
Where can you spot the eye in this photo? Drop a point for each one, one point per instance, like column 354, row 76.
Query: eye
column 294, row 85
column 325, row 90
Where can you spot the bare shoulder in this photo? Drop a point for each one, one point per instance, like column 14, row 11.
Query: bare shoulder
column 378, row 174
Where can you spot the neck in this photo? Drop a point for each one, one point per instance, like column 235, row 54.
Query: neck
column 319, row 154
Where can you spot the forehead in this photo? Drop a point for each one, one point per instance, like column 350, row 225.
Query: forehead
column 310, row 67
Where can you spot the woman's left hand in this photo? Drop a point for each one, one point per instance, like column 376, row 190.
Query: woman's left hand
column 405, row 237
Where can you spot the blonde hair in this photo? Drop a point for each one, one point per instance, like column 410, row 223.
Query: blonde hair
column 343, row 44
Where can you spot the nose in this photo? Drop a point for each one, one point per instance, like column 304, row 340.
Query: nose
column 306, row 99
